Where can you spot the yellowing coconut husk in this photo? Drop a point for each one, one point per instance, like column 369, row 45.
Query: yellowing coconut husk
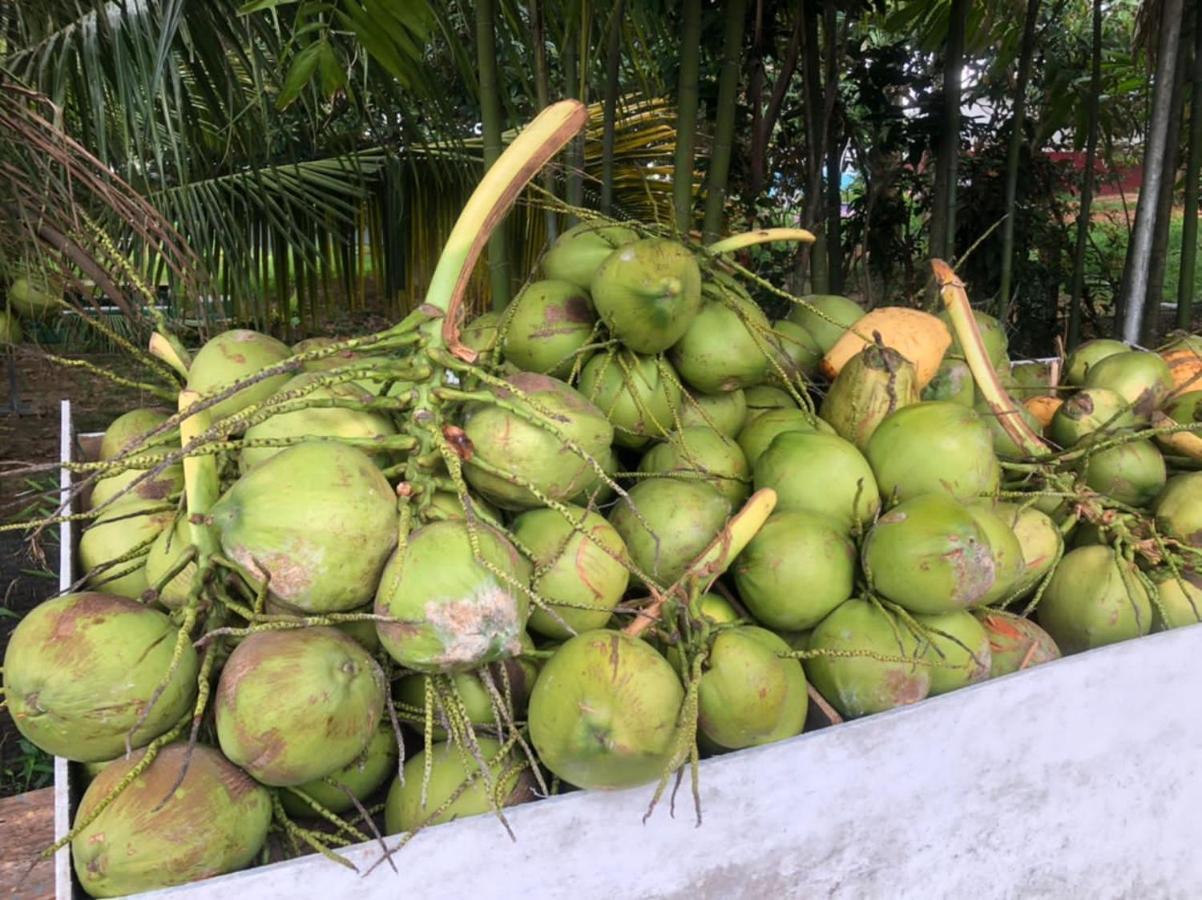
column 918, row 336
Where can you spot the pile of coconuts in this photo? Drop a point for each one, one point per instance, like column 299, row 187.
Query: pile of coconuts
column 349, row 590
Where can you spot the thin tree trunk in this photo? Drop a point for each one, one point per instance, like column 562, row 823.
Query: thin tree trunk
column 686, row 115
column 1135, row 281
column 834, row 153
column 542, row 96
column 724, row 119
column 612, row 58
column 757, row 161
column 943, row 216
column 761, row 135
column 1026, row 52
column 1087, row 185
column 571, row 77
column 490, row 115
column 1189, row 230
column 1164, row 207
column 812, row 258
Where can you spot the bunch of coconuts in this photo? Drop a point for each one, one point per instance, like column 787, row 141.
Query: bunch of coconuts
column 358, row 588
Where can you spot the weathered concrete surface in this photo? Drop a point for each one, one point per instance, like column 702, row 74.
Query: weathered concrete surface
column 1076, row 779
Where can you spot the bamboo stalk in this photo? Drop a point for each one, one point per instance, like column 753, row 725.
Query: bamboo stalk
column 686, row 116
column 1091, row 152
column 724, row 120
column 1193, row 165
column 490, row 114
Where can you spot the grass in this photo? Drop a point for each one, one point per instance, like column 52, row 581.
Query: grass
column 1109, row 235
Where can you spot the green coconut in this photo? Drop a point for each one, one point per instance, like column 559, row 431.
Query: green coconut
column 604, row 710
column 325, row 363
column 885, row 667
column 958, row 650
column 1031, row 378
column 1179, row 597
column 578, row 252
column 1014, row 642
column 717, row 609
column 797, row 353
column 547, row 324
column 638, row 394
column 872, row 384
column 230, row 357
column 581, row 575
column 1088, row 413
column 10, row 329
column 128, row 433
column 124, row 530
column 1039, row 539
column 361, row 631
column 725, row 346
column 317, row 422
column 483, row 333
column 166, row 556
column 1186, row 408
column 1141, row 378
column 993, row 336
column 518, row 457
column 1007, row 550
column 675, row 520
column 952, row 383
column 1179, row 509
column 447, row 505
column 1132, row 473
column 757, row 435
column 508, row 783
column 1089, row 354
column 1004, row 446
column 792, row 550
column 316, row 521
column 1093, row 599
column 749, row 693
column 826, row 317
column 321, row 722
column 132, row 485
column 700, row 451
column 822, row 474
column 597, row 490
column 455, row 611
column 933, row 446
column 931, row 555
column 362, row 777
column 162, row 831
column 33, row 297
column 80, row 670
column 725, row 412
column 473, row 692
column 764, row 398
column 647, row 293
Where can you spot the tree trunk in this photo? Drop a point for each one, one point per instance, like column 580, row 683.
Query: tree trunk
column 762, row 136
column 612, row 58
column 538, row 38
column 574, row 188
column 1164, row 206
column 1026, row 52
column 943, row 215
column 834, row 154
column 1135, row 280
column 686, row 115
column 724, row 119
column 1189, row 230
column 1091, row 153
column 490, row 115
column 812, row 258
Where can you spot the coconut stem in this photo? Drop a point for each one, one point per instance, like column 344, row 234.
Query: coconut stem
column 955, row 299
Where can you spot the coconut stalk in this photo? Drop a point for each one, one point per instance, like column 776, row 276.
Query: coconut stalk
column 1133, row 296
column 964, row 323
column 724, row 119
column 1087, row 181
column 686, row 116
column 1026, row 52
column 490, row 114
